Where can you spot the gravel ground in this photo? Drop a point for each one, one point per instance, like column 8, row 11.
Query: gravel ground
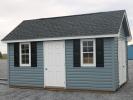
column 125, row 93
column 3, row 69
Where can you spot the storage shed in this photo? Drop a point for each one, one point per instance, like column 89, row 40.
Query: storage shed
column 130, row 52
column 87, row 51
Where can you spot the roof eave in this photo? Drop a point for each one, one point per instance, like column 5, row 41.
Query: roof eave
column 61, row 38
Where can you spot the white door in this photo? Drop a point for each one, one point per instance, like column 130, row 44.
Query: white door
column 122, row 62
column 54, row 64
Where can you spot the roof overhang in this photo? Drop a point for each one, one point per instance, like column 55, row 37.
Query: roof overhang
column 129, row 37
column 62, row 38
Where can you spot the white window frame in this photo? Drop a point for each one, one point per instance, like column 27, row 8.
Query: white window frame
column 20, row 53
column 94, row 53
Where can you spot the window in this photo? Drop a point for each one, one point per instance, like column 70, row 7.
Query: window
column 25, row 54
column 88, row 52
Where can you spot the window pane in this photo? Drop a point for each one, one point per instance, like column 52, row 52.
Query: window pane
column 23, row 59
column 22, row 46
column 90, row 61
column 27, row 59
column 27, row 51
column 26, row 46
column 90, row 43
column 84, row 43
column 85, row 49
column 23, row 51
column 90, row 57
column 90, row 49
column 85, row 58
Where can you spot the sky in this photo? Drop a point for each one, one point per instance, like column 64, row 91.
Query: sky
column 13, row 12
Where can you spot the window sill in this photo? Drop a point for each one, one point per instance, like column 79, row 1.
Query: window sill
column 88, row 65
column 25, row 65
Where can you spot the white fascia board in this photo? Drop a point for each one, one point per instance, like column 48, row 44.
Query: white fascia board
column 63, row 38
column 129, row 38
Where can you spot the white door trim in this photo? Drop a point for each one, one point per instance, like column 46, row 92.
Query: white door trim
column 122, row 62
column 45, row 66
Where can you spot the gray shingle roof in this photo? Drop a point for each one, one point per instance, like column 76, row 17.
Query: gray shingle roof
column 102, row 23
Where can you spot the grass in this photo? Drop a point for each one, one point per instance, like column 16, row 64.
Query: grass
column 4, row 56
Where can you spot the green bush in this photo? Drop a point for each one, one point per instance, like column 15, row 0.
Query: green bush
column 0, row 55
column 4, row 56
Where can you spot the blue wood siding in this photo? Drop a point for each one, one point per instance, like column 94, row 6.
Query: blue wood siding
column 26, row 76
column 98, row 78
column 130, row 52
column 115, row 60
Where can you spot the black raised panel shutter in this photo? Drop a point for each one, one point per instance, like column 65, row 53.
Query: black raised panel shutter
column 16, row 54
column 33, row 54
column 99, row 52
column 76, row 53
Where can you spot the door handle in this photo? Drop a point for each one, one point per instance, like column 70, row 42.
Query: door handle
column 46, row 69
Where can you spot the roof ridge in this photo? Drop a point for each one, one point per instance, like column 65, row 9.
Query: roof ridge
column 76, row 15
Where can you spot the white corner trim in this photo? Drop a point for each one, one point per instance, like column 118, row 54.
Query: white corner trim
column 44, row 67
column 63, row 38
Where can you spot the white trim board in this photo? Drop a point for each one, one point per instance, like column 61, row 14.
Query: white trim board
column 129, row 38
column 63, row 38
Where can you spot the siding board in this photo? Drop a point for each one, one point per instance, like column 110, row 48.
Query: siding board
column 91, row 78
column 26, row 76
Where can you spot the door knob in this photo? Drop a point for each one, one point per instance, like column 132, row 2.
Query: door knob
column 46, row 69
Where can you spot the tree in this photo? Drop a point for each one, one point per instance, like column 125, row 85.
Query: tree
column 0, row 55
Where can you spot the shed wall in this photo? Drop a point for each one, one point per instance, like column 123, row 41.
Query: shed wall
column 98, row 78
column 26, row 76
column 123, row 37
